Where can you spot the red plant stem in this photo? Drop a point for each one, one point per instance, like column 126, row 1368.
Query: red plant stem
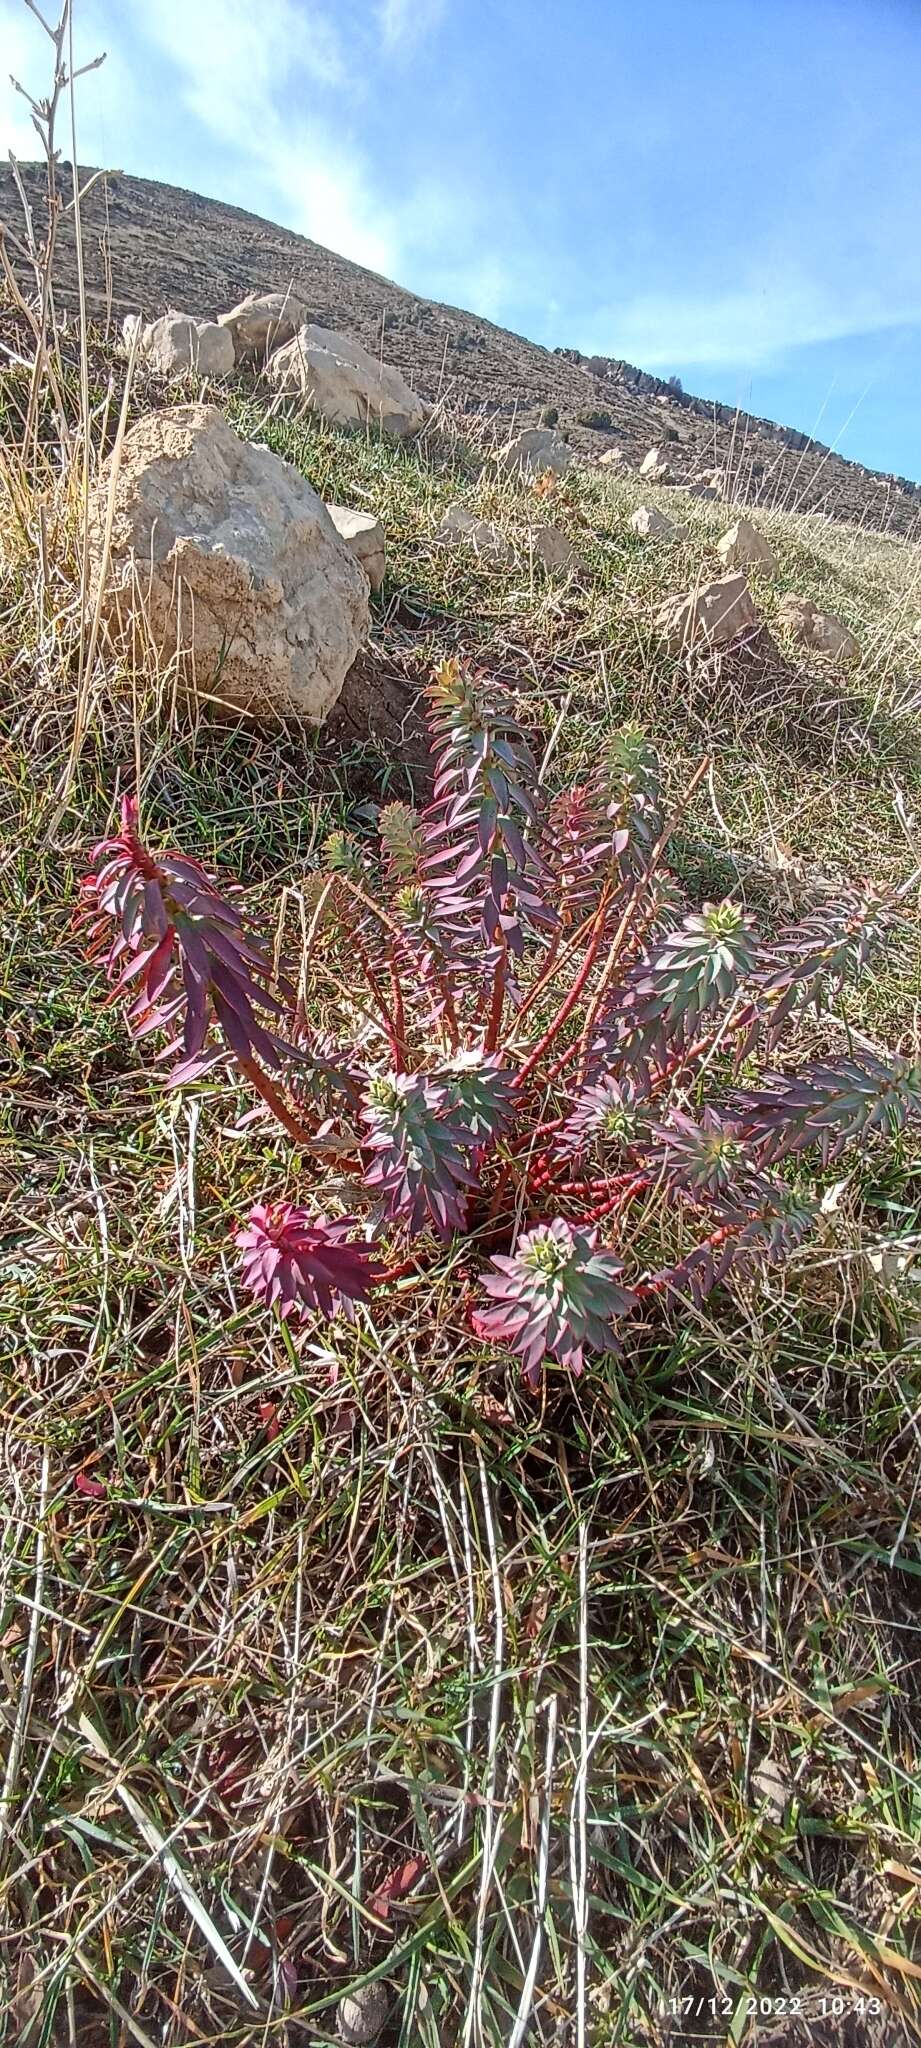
column 279, row 1108
column 569, row 1001
column 555, row 962
column 646, row 1289
column 634, row 1185
column 499, row 980
column 377, row 992
column 565, row 1060
column 690, row 1053
column 398, row 1272
column 450, row 1013
column 633, row 901
column 554, row 1123
column 399, row 1018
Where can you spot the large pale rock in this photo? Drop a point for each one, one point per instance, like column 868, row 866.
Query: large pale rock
column 820, row 630
column 655, row 467
column 534, row 451
column 743, row 547
column 611, row 458
column 363, row 535
column 652, row 524
column 177, row 342
column 341, row 380
column 712, row 616
column 553, row 549
column 227, row 561
column 459, row 524
column 263, row 321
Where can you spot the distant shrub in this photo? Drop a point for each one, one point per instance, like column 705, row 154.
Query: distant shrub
column 526, row 1039
column 550, row 415
column 601, row 420
column 669, row 433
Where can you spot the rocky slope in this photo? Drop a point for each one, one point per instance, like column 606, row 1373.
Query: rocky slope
column 149, row 246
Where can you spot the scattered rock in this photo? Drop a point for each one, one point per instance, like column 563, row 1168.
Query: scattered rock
column 228, row 561
column 712, row 480
column 361, row 2014
column 654, row 525
column 611, row 457
column 341, row 380
column 655, row 467
column 743, row 547
column 363, row 535
column 772, row 1791
column 177, row 342
column 485, row 540
column 715, row 614
column 820, row 630
column 553, row 549
column 534, row 451
column 263, row 321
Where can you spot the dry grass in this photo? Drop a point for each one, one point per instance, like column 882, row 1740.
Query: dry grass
column 421, row 1683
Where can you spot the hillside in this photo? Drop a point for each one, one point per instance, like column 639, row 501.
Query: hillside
column 149, row 246
column 471, row 1715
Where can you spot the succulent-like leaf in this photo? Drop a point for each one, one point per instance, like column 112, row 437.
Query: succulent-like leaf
column 606, row 1117
column 710, row 1157
column 296, row 1262
column 403, row 846
column 811, row 962
column 421, row 1167
column 830, row 1104
column 478, row 1092
column 557, row 1296
column 184, row 954
column 778, row 1226
column 692, row 972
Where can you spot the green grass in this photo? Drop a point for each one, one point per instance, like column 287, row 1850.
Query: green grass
column 329, row 1617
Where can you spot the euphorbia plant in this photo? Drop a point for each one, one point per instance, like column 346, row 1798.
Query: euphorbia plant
column 536, row 1033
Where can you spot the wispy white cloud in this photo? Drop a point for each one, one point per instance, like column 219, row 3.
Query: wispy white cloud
column 757, row 325
column 403, row 23
column 259, row 80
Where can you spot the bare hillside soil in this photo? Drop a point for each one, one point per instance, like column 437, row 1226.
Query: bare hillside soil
column 149, row 246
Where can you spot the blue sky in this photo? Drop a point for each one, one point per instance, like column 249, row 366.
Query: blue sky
column 724, row 190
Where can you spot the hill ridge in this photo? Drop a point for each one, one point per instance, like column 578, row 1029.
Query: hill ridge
column 148, row 245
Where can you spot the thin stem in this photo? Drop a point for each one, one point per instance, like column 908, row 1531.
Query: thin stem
column 569, row 1001
column 640, row 889
column 499, row 981
column 275, row 1101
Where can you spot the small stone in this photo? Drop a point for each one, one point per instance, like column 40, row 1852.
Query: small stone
column 652, row 524
column 809, row 627
column 553, row 549
column 178, row 342
column 534, row 451
column 743, row 547
column 363, row 535
column 772, row 1791
column 459, row 524
column 362, row 2013
column 701, row 491
column 715, row 614
column 263, row 321
column 343, row 382
column 611, row 457
column 655, row 467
